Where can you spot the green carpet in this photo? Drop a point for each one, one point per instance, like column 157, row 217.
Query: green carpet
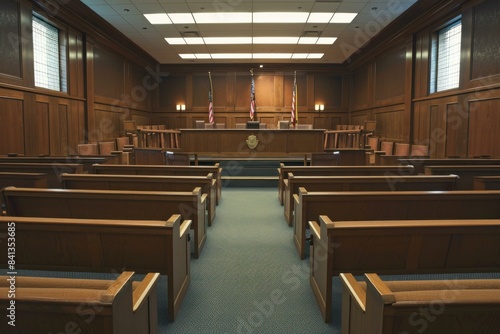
column 249, row 278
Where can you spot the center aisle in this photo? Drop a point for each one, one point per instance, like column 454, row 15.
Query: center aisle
column 249, row 278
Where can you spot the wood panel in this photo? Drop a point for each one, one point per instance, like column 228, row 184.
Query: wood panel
column 360, row 91
column 328, row 90
column 389, row 76
column 486, row 41
column 11, row 125
column 390, row 124
column 484, row 128
column 172, row 91
column 10, row 40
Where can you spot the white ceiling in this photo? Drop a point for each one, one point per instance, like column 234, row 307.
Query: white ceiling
column 127, row 16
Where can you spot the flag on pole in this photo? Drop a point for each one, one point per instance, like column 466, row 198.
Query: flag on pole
column 210, row 101
column 295, row 109
column 252, row 98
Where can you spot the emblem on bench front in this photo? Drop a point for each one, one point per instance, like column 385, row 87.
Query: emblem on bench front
column 252, row 142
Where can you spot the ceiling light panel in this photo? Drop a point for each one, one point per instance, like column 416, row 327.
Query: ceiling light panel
column 158, row 18
column 280, row 17
column 319, row 17
column 275, row 40
column 181, row 18
column 223, row 17
column 343, row 17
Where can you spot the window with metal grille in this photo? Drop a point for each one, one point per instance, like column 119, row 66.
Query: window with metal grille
column 445, row 58
column 49, row 56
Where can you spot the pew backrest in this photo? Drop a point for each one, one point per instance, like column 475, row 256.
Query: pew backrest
column 363, row 183
column 284, row 170
column 48, row 305
column 399, row 247
column 53, row 170
column 387, row 205
column 466, row 173
column 486, row 182
column 110, row 204
column 100, row 245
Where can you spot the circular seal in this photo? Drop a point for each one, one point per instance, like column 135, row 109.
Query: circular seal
column 252, row 142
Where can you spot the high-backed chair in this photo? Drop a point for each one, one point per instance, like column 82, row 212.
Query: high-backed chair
column 240, row 125
column 209, row 126
column 373, row 143
column 402, row 149
column 387, row 147
column 122, row 143
column 419, row 150
column 304, row 126
column 106, row 147
column 284, row 124
column 262, row 126
column 200, row 124
column 88, row 149
column 220, row 125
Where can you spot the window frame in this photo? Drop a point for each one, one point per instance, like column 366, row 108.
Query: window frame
column 62, row 54
column 434, row 56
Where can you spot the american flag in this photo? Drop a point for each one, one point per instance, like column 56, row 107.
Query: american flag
column 210, row 101
column 294, row 102
column 252, row 98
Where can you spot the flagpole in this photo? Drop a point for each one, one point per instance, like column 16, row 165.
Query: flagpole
column 210, row 100
column 252, row 97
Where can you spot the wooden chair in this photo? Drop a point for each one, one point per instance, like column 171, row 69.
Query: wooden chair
column 387, row 147
column 88, row 149
column 373, row 143
column 419, row 151
column 106, row 147
column 123, row 143
column 200, row 124
column 284, row 124
column 262, row 126
column 240, row 126
column 401, row 149
column 304, row 126
column 220, row 125
column 209, row 126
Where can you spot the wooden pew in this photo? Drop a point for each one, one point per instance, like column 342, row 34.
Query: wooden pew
column 283, row 171
column 111, row 204
column 384, row 205
column 216, row 171
column 486, row 182
column 48, row 305
column 97, row 245
column 53, row 170
column 421, row 306
column 28, row 180
column 145, row 182
column 466, row 173
column 420, row 162
column 362, row 183
column 85, row 161
column 399, row 247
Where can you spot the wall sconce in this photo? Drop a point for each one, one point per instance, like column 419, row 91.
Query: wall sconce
column 180, row 107
column 319, row 107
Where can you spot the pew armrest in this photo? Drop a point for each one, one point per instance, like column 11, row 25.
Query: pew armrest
column 184, row 229
column 315, row 229
column 355, row 289
column 296, row 198
column 204, row 198
column 118, row 285
column 143, row 290
column 374, row 282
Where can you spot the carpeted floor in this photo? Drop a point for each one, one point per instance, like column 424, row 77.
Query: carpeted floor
column 249, row 278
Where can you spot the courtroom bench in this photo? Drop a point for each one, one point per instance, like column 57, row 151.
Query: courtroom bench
column 110, row 246
column 145, row 182
column 85, row 161
column 53, row 170
column 421, row 163
column 388, row 171
column 392, row 247
column 390, row 205
column 111, row 204
column 48, row 305
column 486, row 182
column 362, row 183
column 423, row 306
column 28, row 180
column 466, row 173
column 215, row 169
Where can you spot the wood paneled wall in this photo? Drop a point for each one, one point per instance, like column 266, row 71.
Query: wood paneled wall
column 391, row 84
column 273, row 96
column 107, row 81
